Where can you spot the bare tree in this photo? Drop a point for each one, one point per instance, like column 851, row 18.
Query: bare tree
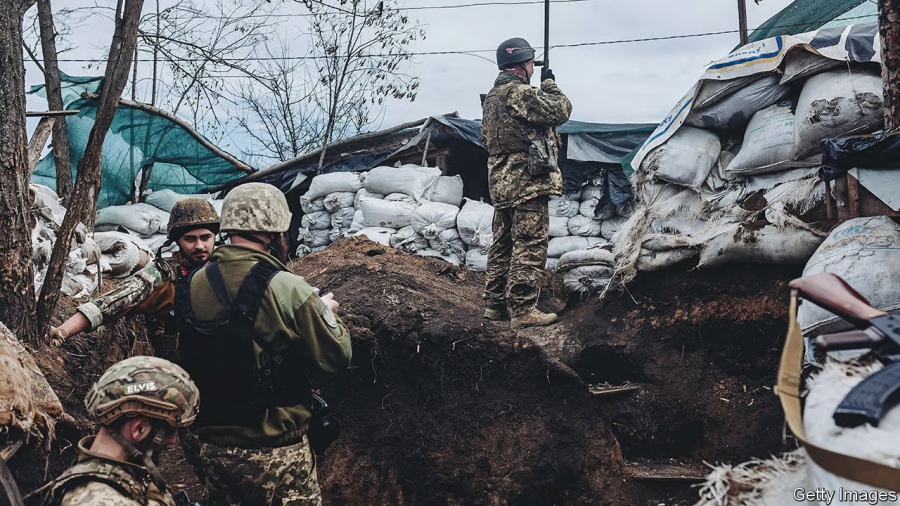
column 87, row 186
column 888, row 14
column 55, row 101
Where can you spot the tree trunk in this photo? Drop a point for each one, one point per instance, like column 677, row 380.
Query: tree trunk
column 55, row 102
column 888, row 15
column 16, row 270
column 87, row 185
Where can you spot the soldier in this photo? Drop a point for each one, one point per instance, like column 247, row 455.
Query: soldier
column 253, row 336
column 193, row 225
column 519, row 132
column 139, row 402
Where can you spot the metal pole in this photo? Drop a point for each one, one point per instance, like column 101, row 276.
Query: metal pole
column 742, row 20
column 546, row 34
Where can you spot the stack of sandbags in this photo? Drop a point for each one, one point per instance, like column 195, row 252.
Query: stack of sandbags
column 474, row 223
column 587, row 270
column 328, row 209
column 123, row 254
column 163, row 201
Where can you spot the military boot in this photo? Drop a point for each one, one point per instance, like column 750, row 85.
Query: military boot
column 496, row 312
column 534, row 318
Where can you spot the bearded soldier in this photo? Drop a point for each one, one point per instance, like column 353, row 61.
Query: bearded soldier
column 519, row 132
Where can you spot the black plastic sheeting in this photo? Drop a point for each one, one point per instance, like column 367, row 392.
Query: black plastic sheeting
column 876, row 151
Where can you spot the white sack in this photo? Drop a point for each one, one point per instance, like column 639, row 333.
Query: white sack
column 627, row 208
column 551, row 263
column 476, row 260
column 319, row 220
column 686, row 158
column 323, row 184
column 312, row 206
column 407, row 239
column 339, row 200
column 123, row 253
column 592, row 192
column 712, row 91
column 559, row 246
column 837, row 103
column 736, row 110
column 768, row 142
column 400, row 197
column 381, row 235
column 365, row 193
column 610, row 226
column 136, row 217
column 769, row 245
column 358, row 222
column 342, row 218
column 166, row 199
column 409, row 179
column 802, row 64
column 434, row 216
column 584, row 226
column 451, row 258
column 559, row 226
column 599, row 254
column 315, row 238
column 448, row 242
column 447, row 190
column 865, row 252
column 587, row 278
column 562, row 207
column 650, row 260
column 47, row 201
column 384, row 213
column 474, row 223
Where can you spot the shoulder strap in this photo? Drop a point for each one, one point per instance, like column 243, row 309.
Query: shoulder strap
column 182, row 308
column 108, row 474
column 217, row 282
column 250, row 294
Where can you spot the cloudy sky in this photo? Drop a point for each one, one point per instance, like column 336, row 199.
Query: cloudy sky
column 607, row 81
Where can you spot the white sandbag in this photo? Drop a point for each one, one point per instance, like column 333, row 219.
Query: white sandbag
column 837, row 103
column 381, row 235
column 342, row 218
column 626, row 209
column 338, row 200
column 47, row 201
column 865, row 252
column 90, row 250
column 584, row 226
column 474, row 223
column 435, row 217
column 799, row 65
column 136, row 217
column 358, row 222
column 592, row 209
column 768, row 142
column 302, row 251
column 315, row 238
column 686, row 158
column 784, row 245
column 562, row 207
column 323, row 184
column 736, row 110
column 384, row 213
column 365, row 193
column 559, row 246
column 571, row 194
column 166, row 199
column 610, row 226
column 587, row 279
column 400, row 197
column 409, row 179
column 447, row 190
column 451, row 258
column 551, row 263
column 448, row 242
column 650, row 260
column 599, row 254
column 476, row 260
column 592, row 192
column 312, row 206
column 124, row 253
column 712, row 91
column 407, row 239
column 319, row 220
column 559, row 226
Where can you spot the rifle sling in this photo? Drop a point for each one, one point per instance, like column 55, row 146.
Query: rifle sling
column 788, row 390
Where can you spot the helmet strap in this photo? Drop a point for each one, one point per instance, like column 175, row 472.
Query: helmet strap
column 271, row 245
column 152, row 445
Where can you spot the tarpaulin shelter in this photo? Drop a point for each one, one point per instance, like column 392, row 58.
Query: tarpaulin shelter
column 146, row 148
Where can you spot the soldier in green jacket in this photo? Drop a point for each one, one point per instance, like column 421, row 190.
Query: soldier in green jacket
column 254, row 337
column 139, row 402
column 518, row 130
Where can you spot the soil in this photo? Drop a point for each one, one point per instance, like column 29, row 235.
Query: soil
column 443, row 407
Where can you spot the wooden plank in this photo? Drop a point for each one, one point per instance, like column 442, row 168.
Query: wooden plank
column 605, row 389
column 39, row 140
column 852, row 196
column 668, row 470
column 841, row 198
column 50, row 114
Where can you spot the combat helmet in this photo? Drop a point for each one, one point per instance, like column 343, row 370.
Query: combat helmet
column 513, row 51
column 191, row 213
column 255, row 208
column 148, row 386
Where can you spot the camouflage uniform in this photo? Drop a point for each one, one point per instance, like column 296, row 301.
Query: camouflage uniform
column 514, row 115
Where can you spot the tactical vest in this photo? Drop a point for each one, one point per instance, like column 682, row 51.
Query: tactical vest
column 221, row 359
column 501, row 133
column 94, row 470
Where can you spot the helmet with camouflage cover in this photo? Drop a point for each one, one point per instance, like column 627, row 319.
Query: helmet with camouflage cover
column 148, row 386
column 513, row 51
column 255, row 207
column 191, row 213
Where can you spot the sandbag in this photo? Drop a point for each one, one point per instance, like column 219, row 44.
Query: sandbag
column 736, row 110
column 409, row 179
column 685, row 159
column 865, row 252
column 599, row 254
column 451, row 258
column 358, row 222
column 587, row 279
column 559, row 246
column 319, row 220
column 407, row 239
column 323, row 184
column 342, row 218
column 448, row 242
column 47, row 202
column 562, row 207
column 338, row 200
column 315, row 238
column 584, row 226
column 476, row 260
column 837, row 103
column 559, row 226
column 447, row 190
column 381, row 235
column 166, row 199
column 312, row 206
column 799, row 65
column 365, row 193
column 767, row 245
column 474, row 223
column 626, row 209
column 400, row 197
column 123, row 253
column 649, row 260
column 610, row 226
column 768, row 142
column 137, row 217
column 551, row 263
column 384, row 213
column 712, row 91
column 435, row 217
column 592, row 192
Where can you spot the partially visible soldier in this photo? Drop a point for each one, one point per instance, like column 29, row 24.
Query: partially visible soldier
column 518, row 130
column 139, row 402
column 254, row 336
column 193, row 225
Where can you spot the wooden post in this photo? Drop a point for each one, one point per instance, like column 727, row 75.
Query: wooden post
column 39, row 140
column 889, row 28
column 742, row 20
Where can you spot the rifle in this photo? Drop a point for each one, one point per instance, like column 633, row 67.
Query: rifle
column 875, row 330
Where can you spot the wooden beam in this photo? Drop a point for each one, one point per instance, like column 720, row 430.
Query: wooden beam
column 853, row 196
column 38, row 141
column 50, row 114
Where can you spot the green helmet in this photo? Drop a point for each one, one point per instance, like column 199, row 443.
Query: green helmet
column 148, row 386
column 513, row 51
column 191, row 213
column 255, row 207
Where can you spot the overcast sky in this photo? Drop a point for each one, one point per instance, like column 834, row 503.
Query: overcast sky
column 609, row 83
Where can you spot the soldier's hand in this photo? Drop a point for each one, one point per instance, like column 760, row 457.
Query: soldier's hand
column 57, row 336
column 547, row 74
column 329, row 301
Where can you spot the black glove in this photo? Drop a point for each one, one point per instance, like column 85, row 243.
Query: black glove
column 547, row 74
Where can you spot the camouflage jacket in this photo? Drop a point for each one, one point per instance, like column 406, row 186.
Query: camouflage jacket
column 289, row 311
column 99, row 480
column 514, row 114
column 151, row 290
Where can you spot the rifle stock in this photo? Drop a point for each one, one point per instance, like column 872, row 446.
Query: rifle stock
column 834, row 294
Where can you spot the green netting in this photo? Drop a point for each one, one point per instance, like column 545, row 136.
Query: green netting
column 808, row 15
column 138, row 140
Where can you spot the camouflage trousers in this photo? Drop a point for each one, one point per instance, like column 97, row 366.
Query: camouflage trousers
column 517, row 255
column 254, row 476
